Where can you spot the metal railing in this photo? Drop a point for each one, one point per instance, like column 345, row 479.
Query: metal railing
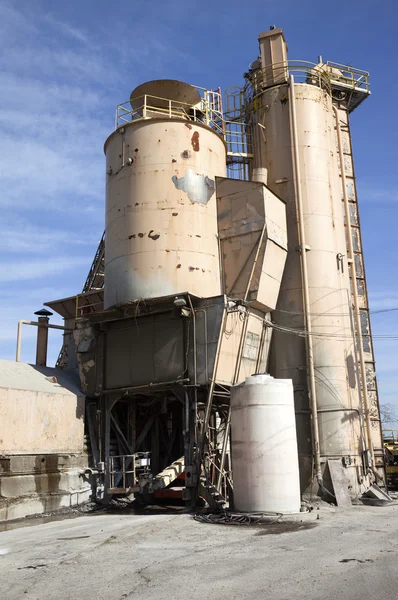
column 124, row 470
column 348, row 76
column 278, row 73
column 238, row 139
column 323, row 75
column 390, row 436
column 88, row 303
column 208, row 111
column 233, row 103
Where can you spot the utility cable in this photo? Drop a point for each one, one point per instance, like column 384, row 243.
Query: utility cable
column 232, row 518
column 331, row 314
column 303, row 333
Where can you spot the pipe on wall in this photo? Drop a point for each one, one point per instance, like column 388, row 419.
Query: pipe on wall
column 36, row 324
column 304, row 275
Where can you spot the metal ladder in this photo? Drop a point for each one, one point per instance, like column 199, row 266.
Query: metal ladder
column 371, row 381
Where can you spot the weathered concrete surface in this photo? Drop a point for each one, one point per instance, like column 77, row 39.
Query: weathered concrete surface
column 41, row 440
column 37, row 504
column 41, row 410
column 347, row 555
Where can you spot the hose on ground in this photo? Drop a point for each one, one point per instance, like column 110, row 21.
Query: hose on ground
column 231, row 518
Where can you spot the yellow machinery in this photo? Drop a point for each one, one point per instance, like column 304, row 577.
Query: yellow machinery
column 390, row 439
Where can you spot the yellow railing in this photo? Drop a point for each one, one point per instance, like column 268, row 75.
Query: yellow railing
column 88, row 303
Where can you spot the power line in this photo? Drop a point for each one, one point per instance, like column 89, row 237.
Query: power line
column 330, row 314
column 303, row 333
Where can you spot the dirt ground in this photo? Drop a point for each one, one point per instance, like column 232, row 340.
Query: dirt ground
column 347, row 554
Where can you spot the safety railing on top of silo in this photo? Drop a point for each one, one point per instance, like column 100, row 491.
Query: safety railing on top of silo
column 327, row 76
column 208, row 111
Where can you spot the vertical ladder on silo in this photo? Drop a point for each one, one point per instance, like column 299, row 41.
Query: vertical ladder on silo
column 237, row 134
column 362, row 292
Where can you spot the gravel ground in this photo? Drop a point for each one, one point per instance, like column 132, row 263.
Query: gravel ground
column 345, row 554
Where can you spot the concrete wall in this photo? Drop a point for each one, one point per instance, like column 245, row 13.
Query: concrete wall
column 42, row 456
column 41, row 410
column 40, row 422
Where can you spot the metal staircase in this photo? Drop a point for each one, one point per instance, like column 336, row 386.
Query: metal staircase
column 212, row 496
column 95, row 277
column 94, row 281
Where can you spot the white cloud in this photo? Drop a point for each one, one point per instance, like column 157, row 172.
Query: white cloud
column 368, row 193
column 27, row 270
column 12, row 20
column 60, row 83
column 20, row 237
column 73, row 32
column 383, row 299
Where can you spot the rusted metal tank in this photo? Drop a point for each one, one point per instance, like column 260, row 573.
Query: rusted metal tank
column 161, row 217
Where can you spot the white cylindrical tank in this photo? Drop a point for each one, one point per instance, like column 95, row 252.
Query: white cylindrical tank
column 264, row 446
column 161, row 215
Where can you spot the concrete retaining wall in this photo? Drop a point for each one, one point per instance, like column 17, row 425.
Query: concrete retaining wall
column 42, row 458
column 36, row 484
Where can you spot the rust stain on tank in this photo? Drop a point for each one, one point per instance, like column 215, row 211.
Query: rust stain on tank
column 141, row 235
column 174, row 214
column 188, row 125
column 198, row 235
column 195, row 141
column 153, row 235
column 193, row 268
column 178, row 266
column 132, row 236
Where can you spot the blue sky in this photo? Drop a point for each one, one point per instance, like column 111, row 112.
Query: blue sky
column 65, row 66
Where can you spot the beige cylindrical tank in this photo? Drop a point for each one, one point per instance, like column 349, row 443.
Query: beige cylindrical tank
column 161, row 219
column 336, row 379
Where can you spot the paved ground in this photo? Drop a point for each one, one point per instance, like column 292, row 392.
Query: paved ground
column 345, row 555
